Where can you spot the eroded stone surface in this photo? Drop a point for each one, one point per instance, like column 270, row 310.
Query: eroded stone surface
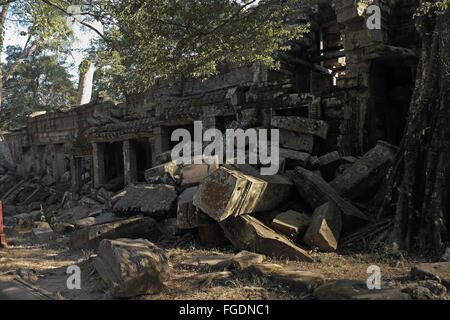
column 131, row 267
column 155, row 200
column 229, row 192
column 439, row 271
column 90, row 237
column 325, row 228
column 247, row 233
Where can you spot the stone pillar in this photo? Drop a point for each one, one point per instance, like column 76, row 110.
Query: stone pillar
column 161, row 142
column 129, row 162
column 75, row 171
column 98, row 162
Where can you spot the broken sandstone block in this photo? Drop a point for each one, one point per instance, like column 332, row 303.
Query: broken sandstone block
column 296, row 141
column 193, row 174
column 247, row 233
column 155, row 200
column 362, row 178
column 313, row 189
column 301, row 280
column 245, row 259
column 215, row 261
column 294, row 158
column 230, row 192
column 131, row 267
column 163, row 173
column 43, row 232
column 329, row 163
column 325, row 228
column 187, row 213
column 439, row 271
column 90, row 237
column 313, row 127
column 291, row 223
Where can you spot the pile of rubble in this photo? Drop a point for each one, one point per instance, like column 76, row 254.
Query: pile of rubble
column 309, row 205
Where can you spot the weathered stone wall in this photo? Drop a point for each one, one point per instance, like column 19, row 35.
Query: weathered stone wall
column 247, row 96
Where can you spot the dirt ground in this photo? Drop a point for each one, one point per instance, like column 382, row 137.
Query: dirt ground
column 44, row 265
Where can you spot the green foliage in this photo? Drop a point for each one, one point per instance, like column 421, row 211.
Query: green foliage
column 431, row 8
column 157, row 39
column 45, row 25
column 40, row 83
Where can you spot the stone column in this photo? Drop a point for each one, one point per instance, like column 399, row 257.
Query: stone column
column 161, row 142
column 129, row 162
column 98, row 162
column 75, row 171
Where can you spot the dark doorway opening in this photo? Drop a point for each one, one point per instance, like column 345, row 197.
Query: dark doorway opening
column 113, row 161
column 391, row 85
column 143, row 158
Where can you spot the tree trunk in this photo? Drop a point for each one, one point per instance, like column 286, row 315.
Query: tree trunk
column 419, row 181
column 3, row 15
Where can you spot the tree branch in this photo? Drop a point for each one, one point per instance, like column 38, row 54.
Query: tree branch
column 81, row 22
column 25, row 54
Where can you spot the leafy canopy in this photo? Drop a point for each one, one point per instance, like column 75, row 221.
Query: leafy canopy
column 167, row 38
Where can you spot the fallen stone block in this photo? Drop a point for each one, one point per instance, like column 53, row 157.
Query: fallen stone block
column 340, row 289
column 245, row 259
column 294, row 158
column 95, row 220
column 64, row 228
column 329, row 163
column 265, row 269
column 325, row 228
column 313, row 189
column 313, row 127
column 313, row 163
column 156, row 200
column 291, row 223
column 15, row 288
column 439, row 271
column 305, row 281
column 296, row 141
column 382, row 294
column 212, row 235
column 131, row 267
column 356, row 290
column 426, row 290
column 208, row 261
column 188, row 216
column 89, row 202
column 43, row 232
column 164, row 173
column 194, row 174
column 186, row 211
column 89, row 238
column 247, row 233
column 169, row 227
column 360, row 181
column 230, row 192
column 163, row 157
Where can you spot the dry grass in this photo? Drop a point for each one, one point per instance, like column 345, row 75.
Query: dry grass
column 49, row 261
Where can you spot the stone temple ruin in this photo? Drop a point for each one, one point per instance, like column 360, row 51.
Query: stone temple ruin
column 358, row 81
column 340, row 100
